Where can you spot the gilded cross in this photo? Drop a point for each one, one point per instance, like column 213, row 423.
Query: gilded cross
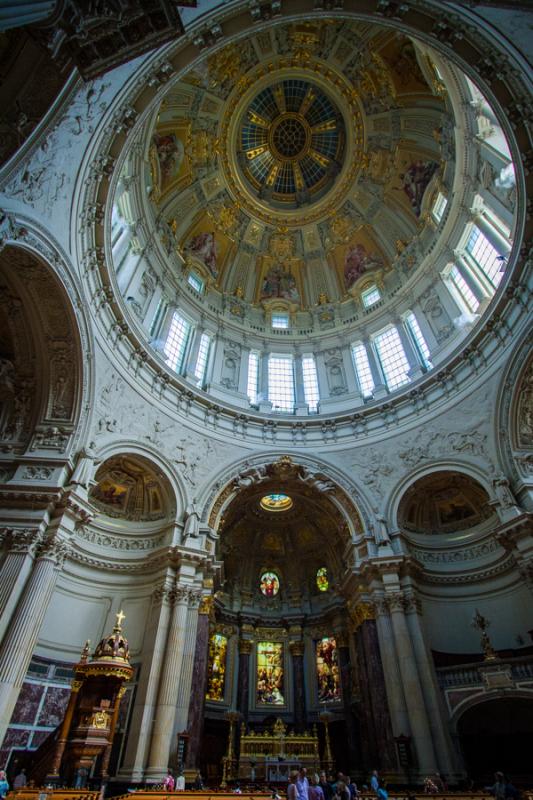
column 120, row 618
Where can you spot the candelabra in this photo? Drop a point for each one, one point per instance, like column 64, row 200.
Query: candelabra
column 229, row 762
column 325, row 718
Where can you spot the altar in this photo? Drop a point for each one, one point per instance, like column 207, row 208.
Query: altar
column 270, row 756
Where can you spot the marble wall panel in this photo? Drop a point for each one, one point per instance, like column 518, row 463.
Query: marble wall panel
column 54, row 706
column 27, row 704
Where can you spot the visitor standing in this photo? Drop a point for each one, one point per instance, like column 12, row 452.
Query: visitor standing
column 374, row 781
column 498, row 789
column 315, row 790
column 180, row 782
column 292, row 791
column 4, row 785
column 302, row 784
column 20, row 780
column 169, row 782
column 325, row 786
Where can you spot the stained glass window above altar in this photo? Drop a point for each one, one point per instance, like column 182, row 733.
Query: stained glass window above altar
column 327, row 670
column 269, row 584
column 322, row 581
column 270, row 683
column 216, row 670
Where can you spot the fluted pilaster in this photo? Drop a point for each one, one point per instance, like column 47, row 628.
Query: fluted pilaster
column 245, row 648
column 168, row 688
column 184, row 691
column 21, row 638
column 21, row 545
column 416, row 709
column 143, row 714
column 195, row 724
column 297, row 655
column 430, row 689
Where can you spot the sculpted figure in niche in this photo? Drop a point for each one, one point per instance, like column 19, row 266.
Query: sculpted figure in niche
column 84, row 466
column 192, row 521
column 250, row 476
column 503, row 492
column 316, row 480
column 382, row 531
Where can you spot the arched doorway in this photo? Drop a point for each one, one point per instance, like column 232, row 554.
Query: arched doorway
column 498, row 735
column 282, row 652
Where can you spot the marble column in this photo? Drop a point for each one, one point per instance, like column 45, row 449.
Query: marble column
column 15, row 570
column 430, row 689
column 416, row 708
column 185, row 685
column 153, row 656
column 345, row 670
column 21, row 637
column 195, row 723
column 245, row 649
column 158, row 760
column 391, row 674
column 381, row 749
column 297, row 655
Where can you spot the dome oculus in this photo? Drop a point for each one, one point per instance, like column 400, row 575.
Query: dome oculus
column 276, row 502
column 291, row 142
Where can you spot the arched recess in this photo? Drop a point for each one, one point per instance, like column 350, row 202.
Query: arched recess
column 171, row 489
column 495, row 731
column 42, row 377
column 353, row 510
column 405, row 485
column 513, row 421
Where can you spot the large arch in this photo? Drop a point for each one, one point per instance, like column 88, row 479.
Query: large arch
column 46, row 383
column 495, row 731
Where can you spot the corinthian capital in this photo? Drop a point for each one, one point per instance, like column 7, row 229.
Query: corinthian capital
column 54, row 549
column 21, row 540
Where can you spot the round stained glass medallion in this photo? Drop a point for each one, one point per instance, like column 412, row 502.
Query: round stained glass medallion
column 269, row 584
column 292, row 141
column 276, row 502
column 322, row 581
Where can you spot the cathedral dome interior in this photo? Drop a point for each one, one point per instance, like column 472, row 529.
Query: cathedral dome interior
column 266, row 393
column 309, row 188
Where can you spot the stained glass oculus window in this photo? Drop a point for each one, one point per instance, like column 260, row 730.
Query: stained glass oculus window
column 269, row 584
column 291, row 141
column 322, row 581
column 276, row 502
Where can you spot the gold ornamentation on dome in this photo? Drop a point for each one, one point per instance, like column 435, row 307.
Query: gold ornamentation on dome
column 224, row 66
column 201, row 148
column 173, row 225
column 341, row 228
column 323, row 299
column 225, row 217
column 281, row 247
column 401, row 245
column 239, row 292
